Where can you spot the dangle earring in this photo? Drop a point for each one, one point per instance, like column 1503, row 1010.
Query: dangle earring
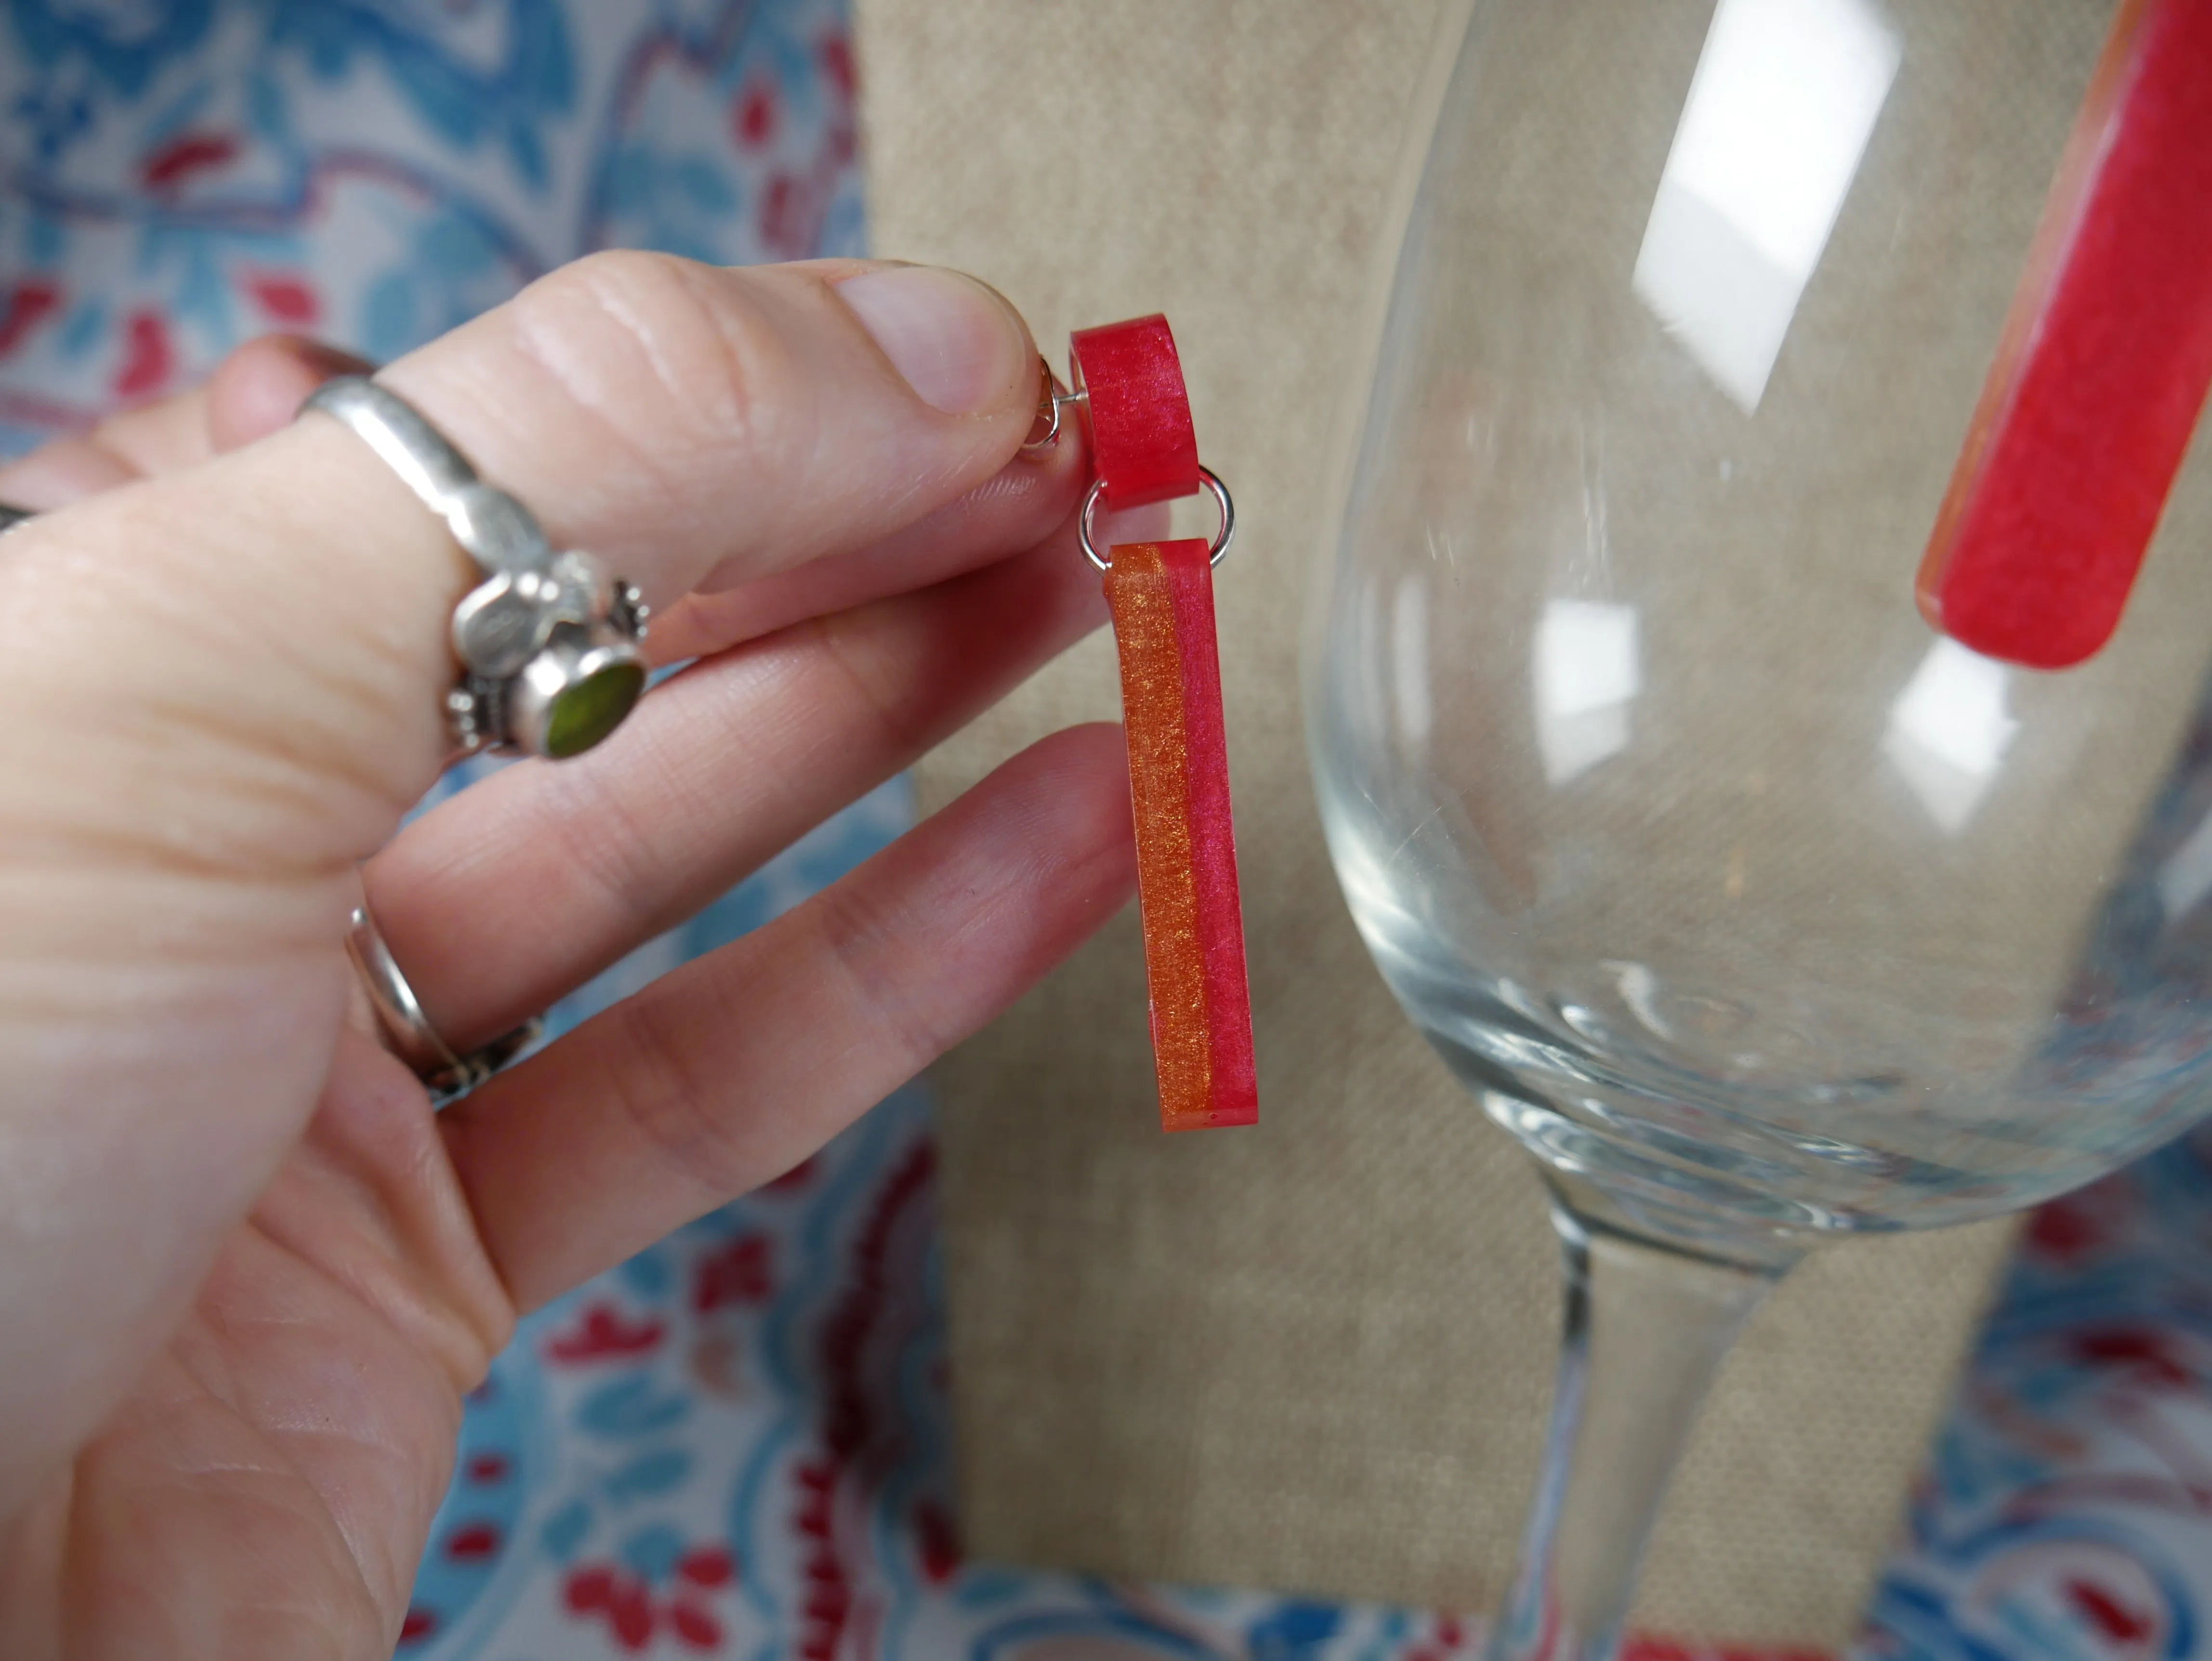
column 1127, row 386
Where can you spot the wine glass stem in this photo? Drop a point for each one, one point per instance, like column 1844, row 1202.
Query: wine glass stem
column 1646, row 1328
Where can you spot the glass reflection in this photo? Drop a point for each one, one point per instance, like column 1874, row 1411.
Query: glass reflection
column 2186, row 876
column 1409, row 638
column 1949, row 729
column 1782, row 103
column 1587, row 675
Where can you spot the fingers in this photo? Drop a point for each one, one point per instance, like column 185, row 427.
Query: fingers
column 158, row 437
column 254, row 391
column 64, row 471
column 682, row 420
column 729, row 1070
column 1014, row 509
column 679, row 419
column 259, row 388
column 515, row 892
column 225, row 688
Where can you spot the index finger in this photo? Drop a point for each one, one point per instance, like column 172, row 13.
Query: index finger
column 292, row 600
column 680, row 419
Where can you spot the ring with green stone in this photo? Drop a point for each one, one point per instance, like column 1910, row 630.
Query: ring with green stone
column 548, row 644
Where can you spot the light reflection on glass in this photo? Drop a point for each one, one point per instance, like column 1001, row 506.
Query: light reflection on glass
column 1948, row 731
column 1782, row 103
column 1639, row 990
column 1587, row 674
column 2186, row 876
column 1409, row 641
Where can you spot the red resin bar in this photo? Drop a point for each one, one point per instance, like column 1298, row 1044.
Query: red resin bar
column 1141, row 438
column 2102, row 368
column 1162, row 598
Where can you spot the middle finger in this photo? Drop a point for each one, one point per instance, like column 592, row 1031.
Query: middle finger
column 501, row 900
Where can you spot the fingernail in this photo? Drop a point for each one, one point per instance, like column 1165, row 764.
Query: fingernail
column 324, row 361
column 960, row 347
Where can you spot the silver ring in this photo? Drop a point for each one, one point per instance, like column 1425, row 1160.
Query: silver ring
column 548, row 643
column 407, row 1030
column 1222, row 537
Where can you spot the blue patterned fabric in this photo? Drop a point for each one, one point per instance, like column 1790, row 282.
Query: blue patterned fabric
column 2067, row 1508
column 735, row 1444
column 182, row 175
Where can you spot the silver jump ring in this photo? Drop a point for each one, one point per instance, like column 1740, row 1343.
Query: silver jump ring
column 408, row 1032
column 548, row 643
column 1222, row 537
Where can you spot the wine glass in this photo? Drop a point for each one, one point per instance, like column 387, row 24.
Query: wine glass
column 1759, row 910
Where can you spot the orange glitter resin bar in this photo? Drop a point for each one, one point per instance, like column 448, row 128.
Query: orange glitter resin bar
column 1162, row 598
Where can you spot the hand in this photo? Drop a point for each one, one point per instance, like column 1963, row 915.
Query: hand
column 245, row 1274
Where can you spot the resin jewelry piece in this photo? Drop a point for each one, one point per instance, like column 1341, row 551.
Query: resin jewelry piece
column 548, row 642
column 1129, row 381
column 2102, row 368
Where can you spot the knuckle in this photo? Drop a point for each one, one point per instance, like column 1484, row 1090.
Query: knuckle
column 866, row 946
column 673, row 360
column 873, row 694
column 676, row 1105
column 607, row 844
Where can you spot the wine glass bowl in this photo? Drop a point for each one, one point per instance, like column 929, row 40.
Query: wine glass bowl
column 1735, row 889
column 1758, row 910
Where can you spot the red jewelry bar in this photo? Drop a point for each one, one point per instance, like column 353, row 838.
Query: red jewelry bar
column 1141, row 438
column 2102, row 368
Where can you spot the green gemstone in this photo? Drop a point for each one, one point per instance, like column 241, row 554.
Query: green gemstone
column 592, row 707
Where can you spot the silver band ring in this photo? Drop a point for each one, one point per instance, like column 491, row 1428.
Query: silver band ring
column 1086, row 520
column 407, row 1030
column 548, row 643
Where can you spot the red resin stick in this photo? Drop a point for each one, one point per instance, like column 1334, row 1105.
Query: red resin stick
column 1162, row 598
column 2102, row 368
column 1141, row 438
